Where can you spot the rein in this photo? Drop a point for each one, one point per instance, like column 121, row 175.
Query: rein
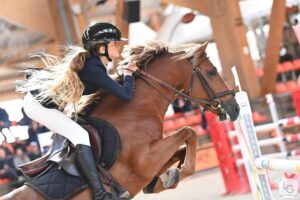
column 141, row 73
column 214, row 102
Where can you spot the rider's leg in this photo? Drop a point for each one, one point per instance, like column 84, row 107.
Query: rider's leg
column 59, row 123
column 88, row 168
column 56, row 121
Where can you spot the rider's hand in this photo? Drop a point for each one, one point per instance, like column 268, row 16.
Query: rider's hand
column 131, row 68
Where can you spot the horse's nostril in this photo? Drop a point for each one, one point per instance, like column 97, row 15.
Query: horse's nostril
column 237, row 109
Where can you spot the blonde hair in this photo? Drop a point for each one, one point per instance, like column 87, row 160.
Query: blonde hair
column 58, row 82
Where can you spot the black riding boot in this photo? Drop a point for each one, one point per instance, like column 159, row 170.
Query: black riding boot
column 87, row 165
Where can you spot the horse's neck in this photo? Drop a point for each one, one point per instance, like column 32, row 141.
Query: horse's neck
column 147, row 101
column 151, row 101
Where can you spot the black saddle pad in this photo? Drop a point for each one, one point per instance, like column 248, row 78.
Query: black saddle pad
column 56, row 184
column 110, row 139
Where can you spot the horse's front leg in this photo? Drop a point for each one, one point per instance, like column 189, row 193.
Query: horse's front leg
column 178, row 156
column 156, row 185
column 162, row 151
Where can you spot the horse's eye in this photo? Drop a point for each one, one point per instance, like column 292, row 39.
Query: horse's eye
column 212, row 73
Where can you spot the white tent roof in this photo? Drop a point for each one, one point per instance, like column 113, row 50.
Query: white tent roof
column 173, row 31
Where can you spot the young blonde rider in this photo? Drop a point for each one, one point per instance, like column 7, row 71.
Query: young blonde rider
column 82, row 73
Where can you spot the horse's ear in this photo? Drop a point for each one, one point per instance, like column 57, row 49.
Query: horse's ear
column 204, row 45
column 202, row 48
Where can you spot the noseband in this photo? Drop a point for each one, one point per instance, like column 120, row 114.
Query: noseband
column 214, row 101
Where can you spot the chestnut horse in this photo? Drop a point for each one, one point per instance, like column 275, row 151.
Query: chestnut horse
column 165, row 75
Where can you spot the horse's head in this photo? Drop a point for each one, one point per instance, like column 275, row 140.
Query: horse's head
column 187, row 71
column 206, row 87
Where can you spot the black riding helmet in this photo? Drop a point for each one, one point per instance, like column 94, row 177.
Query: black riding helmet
column 100, row 34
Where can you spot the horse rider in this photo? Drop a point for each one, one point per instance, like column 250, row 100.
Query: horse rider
column 83, row 71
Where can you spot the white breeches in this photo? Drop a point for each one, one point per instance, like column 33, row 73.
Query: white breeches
column 55, row 121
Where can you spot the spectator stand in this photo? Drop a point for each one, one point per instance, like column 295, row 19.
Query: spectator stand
column 19, row 143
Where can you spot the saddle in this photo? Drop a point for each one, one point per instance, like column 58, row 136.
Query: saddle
column 105, row 142
column 106, row 145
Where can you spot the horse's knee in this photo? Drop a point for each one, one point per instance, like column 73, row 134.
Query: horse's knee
column 192, row 135
column 189, row 130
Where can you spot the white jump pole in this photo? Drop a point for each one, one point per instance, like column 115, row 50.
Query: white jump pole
column 258, row 179
column 272, row 141
column 240, row 162
column 292, row 166
column 261, row 143
column 280, row 122
column 270, row 126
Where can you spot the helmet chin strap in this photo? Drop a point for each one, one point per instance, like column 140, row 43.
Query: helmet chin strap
column 106, row 53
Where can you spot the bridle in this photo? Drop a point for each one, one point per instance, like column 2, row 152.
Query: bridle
column 214, row 98
column 214, row 101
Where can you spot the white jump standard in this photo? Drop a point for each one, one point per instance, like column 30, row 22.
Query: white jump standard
column 255, row 164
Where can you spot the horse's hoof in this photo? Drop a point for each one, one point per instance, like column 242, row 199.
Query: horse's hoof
column 170, row 177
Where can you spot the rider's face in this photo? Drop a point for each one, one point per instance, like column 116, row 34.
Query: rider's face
column 114, row 49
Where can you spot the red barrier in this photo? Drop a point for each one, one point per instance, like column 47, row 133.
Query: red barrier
column 296, row 100
column 174, row 122
column 234, row 179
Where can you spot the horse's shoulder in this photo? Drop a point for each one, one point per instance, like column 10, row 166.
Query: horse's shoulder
column 154, row 128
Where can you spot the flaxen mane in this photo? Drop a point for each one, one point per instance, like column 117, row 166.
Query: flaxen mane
column 142, row 55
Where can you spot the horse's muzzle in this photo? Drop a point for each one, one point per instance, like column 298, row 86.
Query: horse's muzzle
column 232, row 110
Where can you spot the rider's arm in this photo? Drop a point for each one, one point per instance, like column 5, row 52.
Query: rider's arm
column 97, row 75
